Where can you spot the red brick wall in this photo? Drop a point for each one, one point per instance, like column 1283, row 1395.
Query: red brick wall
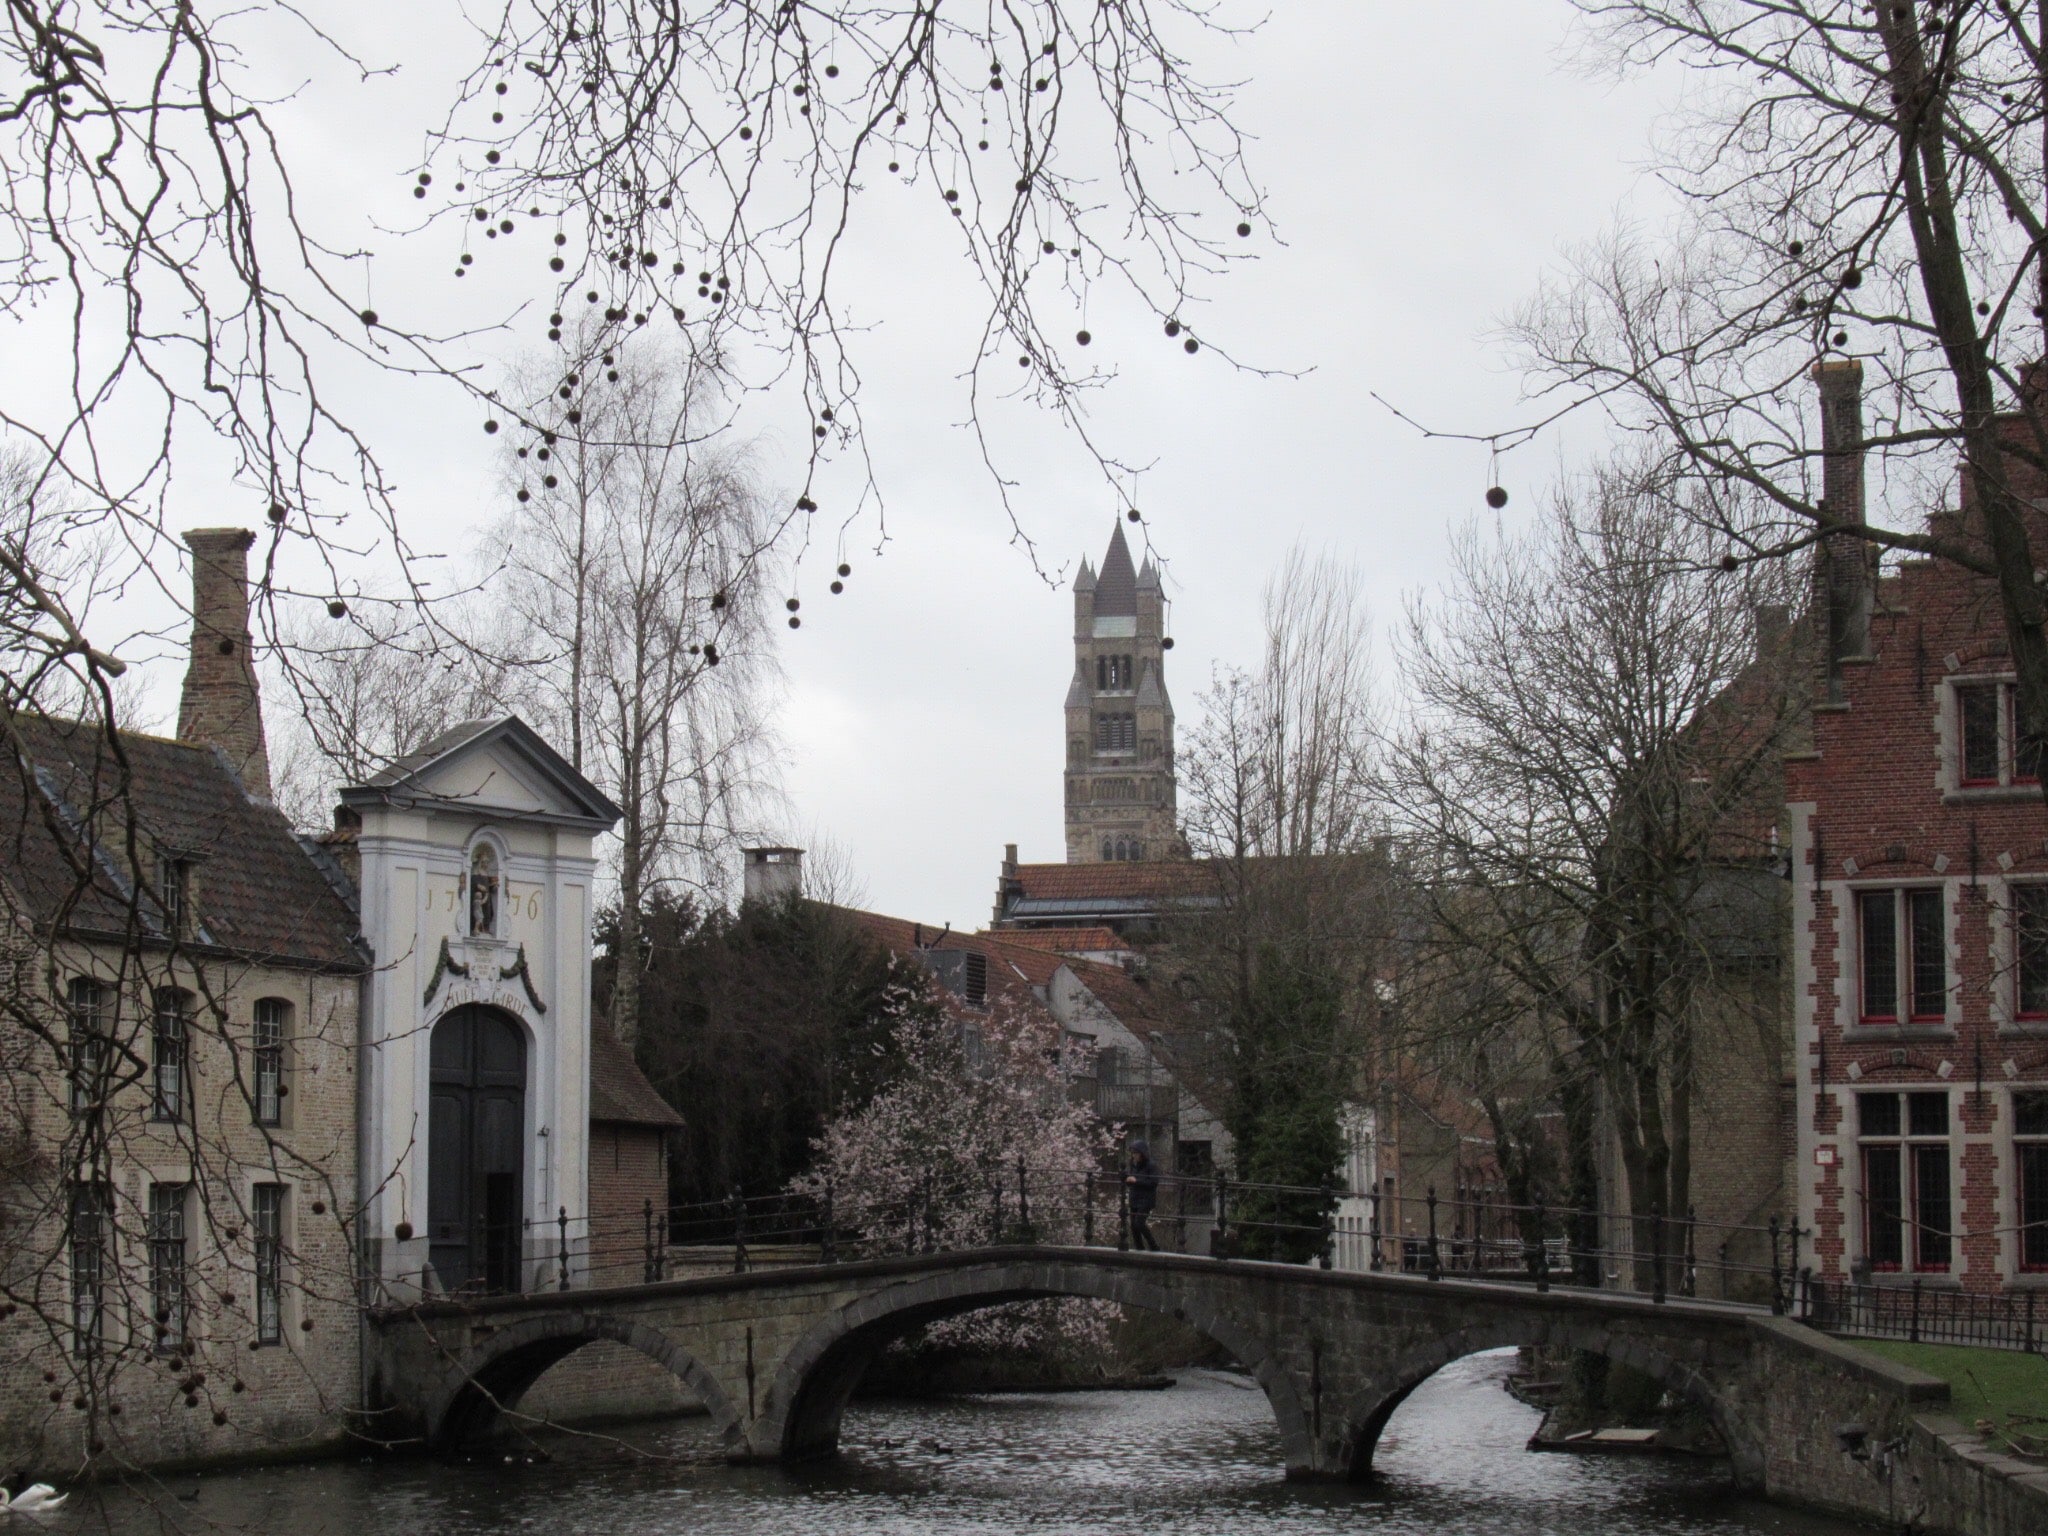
column 628, row 1176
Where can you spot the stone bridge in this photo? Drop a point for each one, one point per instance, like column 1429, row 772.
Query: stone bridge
column 775, row 1356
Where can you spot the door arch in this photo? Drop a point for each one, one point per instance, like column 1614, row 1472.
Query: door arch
column 476, row 1150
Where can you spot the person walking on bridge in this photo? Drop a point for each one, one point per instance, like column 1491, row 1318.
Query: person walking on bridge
column 1143, row 1182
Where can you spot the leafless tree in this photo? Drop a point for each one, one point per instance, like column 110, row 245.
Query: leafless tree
column 1586, row 768
column 1858, row 181
column 638, row 558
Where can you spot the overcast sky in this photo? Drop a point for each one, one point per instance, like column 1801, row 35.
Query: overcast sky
column 1425, row 163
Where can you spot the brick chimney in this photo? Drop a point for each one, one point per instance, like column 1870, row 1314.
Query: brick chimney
column 1845, row 573
column 220, row 707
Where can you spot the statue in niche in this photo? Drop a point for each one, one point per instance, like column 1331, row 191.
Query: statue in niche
column 483, row 891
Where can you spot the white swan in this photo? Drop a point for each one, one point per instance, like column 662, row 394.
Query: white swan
column 35, row 1499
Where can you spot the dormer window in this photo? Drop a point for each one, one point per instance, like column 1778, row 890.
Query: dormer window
column 483, row 891
column 174, row 890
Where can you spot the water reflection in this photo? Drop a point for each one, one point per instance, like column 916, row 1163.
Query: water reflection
column 1201, row 1458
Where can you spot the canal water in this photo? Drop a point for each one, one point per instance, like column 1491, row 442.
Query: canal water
column 1200, row 1459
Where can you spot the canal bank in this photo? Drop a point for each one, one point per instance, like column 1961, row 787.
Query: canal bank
column 1201, row 1459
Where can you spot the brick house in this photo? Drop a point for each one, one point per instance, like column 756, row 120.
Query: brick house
column 1919, row 921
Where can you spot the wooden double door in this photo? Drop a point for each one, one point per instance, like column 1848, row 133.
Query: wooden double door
column 476, row 1150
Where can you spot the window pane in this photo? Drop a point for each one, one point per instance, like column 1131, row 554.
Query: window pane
column 2033, row 1170
column 1930, row 1192
column 1930, row 958
column 167, row 1264
column 1927, row 1114
column 90, row 1207
column 2030, row 934
column 271, row 1016
column 1877, row 1114
column 2030, row 1114
column 1977, row 707
column 268, row 1211
column 2025, row 764
column 1883, row 1208
column 1877, row 923
column 168, row 1056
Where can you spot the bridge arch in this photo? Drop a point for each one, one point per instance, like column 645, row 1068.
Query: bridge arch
column 489, row 1380
column 1375, row 1405
column 801, row 1415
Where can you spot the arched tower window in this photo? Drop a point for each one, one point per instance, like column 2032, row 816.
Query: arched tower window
column 1108, row 850
column 483, row 891
column 1102, row 674
column 1137, row 851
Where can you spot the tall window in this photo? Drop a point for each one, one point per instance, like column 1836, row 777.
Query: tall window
column 267, row 1211
column 1907, row 1210
column 86, row 1012
column 1116, row 733
column 1904, row 956
column 483, row 890
column 273, row 1017
column 92, row 1209
column 2030, row 951
column 169, row 1035
column 167, row 1265
column 174, row 889
column 1987, row 731
column 2030, row 1157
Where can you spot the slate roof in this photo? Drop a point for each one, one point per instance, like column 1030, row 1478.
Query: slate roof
column 619, row 1091
column 257, row 893
column 1116, row 588
column 1154, row 880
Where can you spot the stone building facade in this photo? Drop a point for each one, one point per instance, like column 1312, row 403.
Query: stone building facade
column 1120, row 795
column 1919, row 847
column 253, row 1080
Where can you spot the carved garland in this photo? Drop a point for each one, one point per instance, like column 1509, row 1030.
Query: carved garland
column 444, row 965
column 518, row 968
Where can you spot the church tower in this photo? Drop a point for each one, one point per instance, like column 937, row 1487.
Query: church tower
column 1120, row 789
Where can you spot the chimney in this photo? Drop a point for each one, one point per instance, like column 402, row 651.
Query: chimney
column 1844, row 567
column 219, row 707
column 773, row 874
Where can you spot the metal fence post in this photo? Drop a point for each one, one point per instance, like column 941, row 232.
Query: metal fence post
column 1328, row 1258
column 995, row 1211
column 1689, row 1283
column 1657, row 1253
column 650, row 1274
column 1913, row 1329
column 828, row 1243
column 1539, row 1255
column 2029, row 1342
column 1436, row 1271
column 1372, row 1233
column 1777, row 1275
column 1123, row 1217
column 928, row 1243
column 1024, row 1232
column 562, row 1227
column 1219, row 1240
column 1088, row 1210
column 738, row 1207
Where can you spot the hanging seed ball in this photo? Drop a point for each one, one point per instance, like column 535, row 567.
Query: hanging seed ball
column 227, row 1298
column 219, row 1418
column 611, row 376
column 575, row 417
column 838, row 587
column 590, row 297
column 554, row 333
column 1191, row 346
column 746, row 133
column 817, row 431
column 549, row 481
column 795, row 622
column 369, row 317
column 555, row 263
column 792, row 605
column 1049, row 247
column 337, row 609
column 191, row 1400
column 491, row 155
column 710, row 655
column 503, row 87
column 490, row 426
column 1023, row 362
column 1796, row 248
column 845, row 570
column 983, row 144
column 419, row 191
column 467, row 258
column 254, row 1345
column 237, row 1386
column 831, row 71
column 1496, row 497
column 718, row 599
column 1244, row 231
column 1728, row 563
column 1983, row 308
column 426, row 179
column 78, row 1403
column 1166, row 644
column 895, row 166
column 305, row 1325
column 277, row 512
column 1173, row 328
column 1853, row 278
column 113, row 1410
column 48, row 1377
column 805, row 504
column 952, row 196
column 1083, row 337
column 543, row 455
column 403, row 1231
column 695, row 648
column 1135, row 515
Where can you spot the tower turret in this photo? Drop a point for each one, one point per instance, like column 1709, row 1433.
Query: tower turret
column 1119, row 775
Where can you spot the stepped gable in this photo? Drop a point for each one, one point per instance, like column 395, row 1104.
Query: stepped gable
column 255, row 891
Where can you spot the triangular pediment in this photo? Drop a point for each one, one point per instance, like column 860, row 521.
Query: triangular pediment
column 496, row 768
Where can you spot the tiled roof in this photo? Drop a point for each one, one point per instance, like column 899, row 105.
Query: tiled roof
column 1061, row 941
column 1013, row 969
column 1156, row 880
column 619, row 1092
column 1116, row 588
column 257, row 892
